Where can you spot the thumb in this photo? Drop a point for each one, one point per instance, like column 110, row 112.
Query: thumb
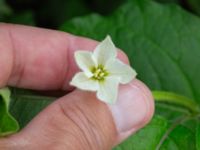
column 80, row 122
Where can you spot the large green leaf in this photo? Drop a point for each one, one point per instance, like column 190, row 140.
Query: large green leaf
column 162, row 42
column 8, row 124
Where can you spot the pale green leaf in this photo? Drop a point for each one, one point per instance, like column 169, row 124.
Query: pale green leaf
column 8, row 124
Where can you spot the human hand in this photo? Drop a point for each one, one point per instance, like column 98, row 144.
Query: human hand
column 43, row 59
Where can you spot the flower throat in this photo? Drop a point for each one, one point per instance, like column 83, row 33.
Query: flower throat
column 99, row 73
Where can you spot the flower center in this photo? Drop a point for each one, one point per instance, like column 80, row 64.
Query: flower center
column 99, row 73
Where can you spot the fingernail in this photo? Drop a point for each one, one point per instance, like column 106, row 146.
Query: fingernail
column 132, row 109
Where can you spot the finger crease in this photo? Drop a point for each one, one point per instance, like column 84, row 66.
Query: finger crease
column 20, row 68
column 75, row 123
column 12, row 49
column 91, row 128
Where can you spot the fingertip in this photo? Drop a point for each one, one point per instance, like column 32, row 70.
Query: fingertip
column 148, row 99
column 134, row 109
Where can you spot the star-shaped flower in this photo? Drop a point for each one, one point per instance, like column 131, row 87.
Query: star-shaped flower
column 102, row 71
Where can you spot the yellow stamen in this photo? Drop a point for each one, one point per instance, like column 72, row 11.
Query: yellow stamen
column 99, row 73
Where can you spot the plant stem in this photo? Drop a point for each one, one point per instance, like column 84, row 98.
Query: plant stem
column 170, row 97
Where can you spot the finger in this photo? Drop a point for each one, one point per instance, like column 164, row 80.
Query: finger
column 79, row 121
column 39, row 58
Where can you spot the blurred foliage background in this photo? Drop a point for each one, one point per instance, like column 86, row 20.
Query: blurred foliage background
column 53, row 13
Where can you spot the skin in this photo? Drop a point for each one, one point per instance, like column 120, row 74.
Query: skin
column 43, row 59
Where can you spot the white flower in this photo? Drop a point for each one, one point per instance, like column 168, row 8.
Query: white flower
column 102, row 71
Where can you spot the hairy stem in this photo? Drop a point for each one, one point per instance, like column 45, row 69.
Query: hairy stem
column 173, row 98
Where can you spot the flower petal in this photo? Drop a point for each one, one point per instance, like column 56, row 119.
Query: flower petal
column 81, row 81
column 85, row 61
column 105, row 51
column 116, row 68
column 108, row 90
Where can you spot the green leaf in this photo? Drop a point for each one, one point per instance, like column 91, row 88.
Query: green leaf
column 162, row 43
column 145, row 36
column 8, row 124
column 181, row 137
column 26, row 104
column 198, row 137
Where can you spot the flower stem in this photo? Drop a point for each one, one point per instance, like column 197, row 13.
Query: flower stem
column 173, row 98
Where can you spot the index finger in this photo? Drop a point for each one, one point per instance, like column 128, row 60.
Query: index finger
column 40, row 59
